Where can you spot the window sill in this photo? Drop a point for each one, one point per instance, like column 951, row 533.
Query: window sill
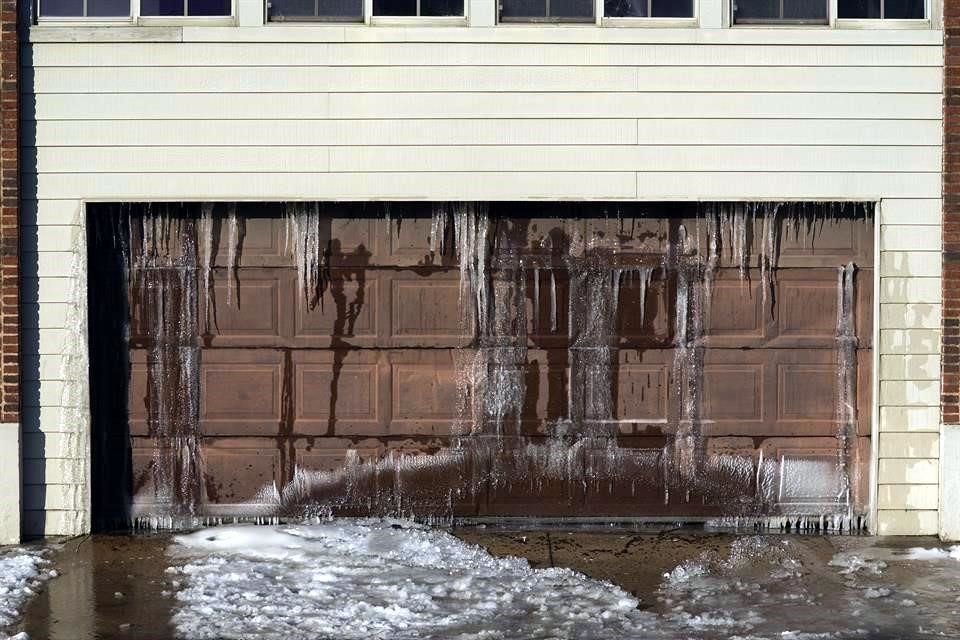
column 865, row 23
column 418, row 21
column 650, row 23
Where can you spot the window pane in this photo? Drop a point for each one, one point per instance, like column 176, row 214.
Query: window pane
column 757, row 9
column 208, row 7
column 394, row 7
column 903, row 9
column 336, row 9
column 523, row 9
column 441, row 7
column 672, row 8
column 625, row 8
column 858, row 8
column 804, row 10
column 571, row 8
column 108, row 8
column 161, row 7
column 61, row 8
column 290, row 8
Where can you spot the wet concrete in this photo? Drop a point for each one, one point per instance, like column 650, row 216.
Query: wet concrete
column 116, row 586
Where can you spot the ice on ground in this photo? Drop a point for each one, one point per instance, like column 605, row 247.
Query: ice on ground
column 379, row 580
column 21, row 576
column 921, row 553
column 857, row 563
column 374, row 579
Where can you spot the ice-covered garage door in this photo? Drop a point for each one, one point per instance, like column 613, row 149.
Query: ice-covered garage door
column 586, row 360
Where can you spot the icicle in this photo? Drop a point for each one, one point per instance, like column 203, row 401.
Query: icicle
column 309, row 250
column 206, row 233
column 232, row 242
column 536, row 298
column 846, row 409
column 553, row 301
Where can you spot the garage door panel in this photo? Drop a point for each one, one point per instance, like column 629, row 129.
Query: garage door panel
column 350, row 313
column 425, row 310
column 257, row 242
column 737, row 318
column 236, row 470
column 241, row 392
column 423, row 393
column 644, row 318
column 340, row 393
column 246, row 307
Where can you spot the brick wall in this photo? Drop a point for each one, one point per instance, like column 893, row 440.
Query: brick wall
column 9, row 215
column 951, row 214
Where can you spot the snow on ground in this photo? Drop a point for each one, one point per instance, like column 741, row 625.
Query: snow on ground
column 395, row 580
column 381, row 580
column 21, row 575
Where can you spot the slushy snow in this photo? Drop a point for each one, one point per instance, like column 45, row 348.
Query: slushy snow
column 381, row 580
column 21, row 576
column 373, row 579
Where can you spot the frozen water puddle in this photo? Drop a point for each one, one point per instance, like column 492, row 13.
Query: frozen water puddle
column 382, row 579
column 22, row 573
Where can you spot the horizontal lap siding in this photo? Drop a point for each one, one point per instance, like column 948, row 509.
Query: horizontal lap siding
column 532, row 113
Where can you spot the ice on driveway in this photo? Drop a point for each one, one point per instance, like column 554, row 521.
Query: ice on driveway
column 381, row 580
column 21, row 576
column 395, row 580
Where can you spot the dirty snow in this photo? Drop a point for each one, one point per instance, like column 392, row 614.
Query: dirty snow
column 21, row 576
column 391, row 579
column 380, row 580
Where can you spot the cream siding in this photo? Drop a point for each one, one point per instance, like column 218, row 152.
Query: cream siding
column 352, row 112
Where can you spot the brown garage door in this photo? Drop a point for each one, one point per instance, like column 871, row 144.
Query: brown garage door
column 589, row 360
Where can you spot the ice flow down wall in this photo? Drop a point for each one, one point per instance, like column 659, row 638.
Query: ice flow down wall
column 472, row 359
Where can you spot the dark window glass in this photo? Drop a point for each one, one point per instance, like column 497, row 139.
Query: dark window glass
column 185, row 7
column 161, row 7
column 858, row 8
column 322, row 9
column 757, row 9
column 672, row 8
column 903, row 9
column 108, row 8
column 523, row 9
column 441, row 7
column 61, row 8
column 804, row 10
column 780, row 11
column 560, row 10
column 625, row 8
column 571, row 9
column 394, row 7
column 208, row 7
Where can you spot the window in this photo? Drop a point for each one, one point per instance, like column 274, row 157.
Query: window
column 421, row 8
column 172, row 8
column 84, row 8
column 546, row 10
column 881, row 9
column 331, row 10
column 648, row 8
column 780, row 11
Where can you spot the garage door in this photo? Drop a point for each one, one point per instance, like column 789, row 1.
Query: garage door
column 681, row 360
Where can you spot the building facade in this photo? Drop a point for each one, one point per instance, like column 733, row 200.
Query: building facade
column 364, row 101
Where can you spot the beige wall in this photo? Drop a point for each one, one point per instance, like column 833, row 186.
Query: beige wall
column 353, row 112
